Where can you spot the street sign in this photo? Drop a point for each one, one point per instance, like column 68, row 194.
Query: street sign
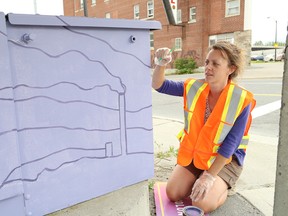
column 171, row 10
column 275, row 45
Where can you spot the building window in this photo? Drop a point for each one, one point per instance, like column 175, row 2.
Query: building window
column 93, row 2
column 107, row 15
column 178, row 43
column 150, row 9
column 151, row 40
column 81, row 4
column 192, row 14
column 179, row 16
column 136, row 11
column 221, row 37
column 232, row 7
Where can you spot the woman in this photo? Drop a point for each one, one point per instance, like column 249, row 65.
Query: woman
column 217, row 116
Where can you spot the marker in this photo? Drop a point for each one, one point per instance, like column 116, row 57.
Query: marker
column 171, row 50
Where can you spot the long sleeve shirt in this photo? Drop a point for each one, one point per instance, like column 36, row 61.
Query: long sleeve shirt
column 234, row 137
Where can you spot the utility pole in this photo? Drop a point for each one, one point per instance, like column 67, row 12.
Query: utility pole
column 275, row 40
column 281, row 184
column 275, row 44
column 85, row 8
column 35, row 6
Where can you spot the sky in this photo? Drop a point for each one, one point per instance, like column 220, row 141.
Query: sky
column 44, row 7
column 263, row 29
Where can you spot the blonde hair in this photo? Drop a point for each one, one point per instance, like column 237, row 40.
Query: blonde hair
column 233, row 54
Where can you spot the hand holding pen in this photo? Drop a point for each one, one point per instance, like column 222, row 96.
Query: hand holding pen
column 163, row 56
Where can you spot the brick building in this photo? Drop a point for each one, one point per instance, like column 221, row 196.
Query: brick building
column 200, row 23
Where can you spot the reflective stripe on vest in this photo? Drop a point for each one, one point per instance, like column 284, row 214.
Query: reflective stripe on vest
column 232, row 108
column 243, row 145
column 193, row 91
column 244, row 142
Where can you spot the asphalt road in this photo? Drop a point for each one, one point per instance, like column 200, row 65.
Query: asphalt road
column 267, row 91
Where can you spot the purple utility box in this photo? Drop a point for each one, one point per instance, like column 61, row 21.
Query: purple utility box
column 76, row 109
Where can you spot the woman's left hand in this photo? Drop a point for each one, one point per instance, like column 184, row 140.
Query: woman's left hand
column 202, row 186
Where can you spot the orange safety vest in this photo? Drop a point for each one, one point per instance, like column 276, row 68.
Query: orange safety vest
column 200, row 141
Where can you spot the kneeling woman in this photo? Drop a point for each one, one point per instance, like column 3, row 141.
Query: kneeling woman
column 217, row 115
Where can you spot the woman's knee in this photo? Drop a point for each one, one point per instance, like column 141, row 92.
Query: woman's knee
column 173, row 194
column 179, row 184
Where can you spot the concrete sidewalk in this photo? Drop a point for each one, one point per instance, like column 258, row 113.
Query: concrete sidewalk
column 255, row 188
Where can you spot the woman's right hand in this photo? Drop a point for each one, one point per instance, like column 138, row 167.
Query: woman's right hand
column 162, row 56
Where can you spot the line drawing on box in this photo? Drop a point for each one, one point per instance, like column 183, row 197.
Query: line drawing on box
column 78, row 153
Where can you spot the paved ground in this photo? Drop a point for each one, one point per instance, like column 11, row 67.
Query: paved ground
column 255, row 192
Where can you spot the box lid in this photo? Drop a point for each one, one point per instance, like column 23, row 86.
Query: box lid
column 48, row 20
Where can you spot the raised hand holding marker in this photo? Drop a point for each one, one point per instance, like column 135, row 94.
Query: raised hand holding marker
column 163, row 56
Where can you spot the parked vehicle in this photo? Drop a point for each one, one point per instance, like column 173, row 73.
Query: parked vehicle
column 271, row 57
column 257, row 58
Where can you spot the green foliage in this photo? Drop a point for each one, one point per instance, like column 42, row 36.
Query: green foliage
column 160, row 155
column 258, row 43
column 185, row 65
column 171, row 152
column 151, row 184
column 269, row 43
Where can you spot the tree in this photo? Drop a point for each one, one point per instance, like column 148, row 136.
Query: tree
column 258, row 43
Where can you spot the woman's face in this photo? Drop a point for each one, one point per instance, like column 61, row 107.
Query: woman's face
column 217, row 69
